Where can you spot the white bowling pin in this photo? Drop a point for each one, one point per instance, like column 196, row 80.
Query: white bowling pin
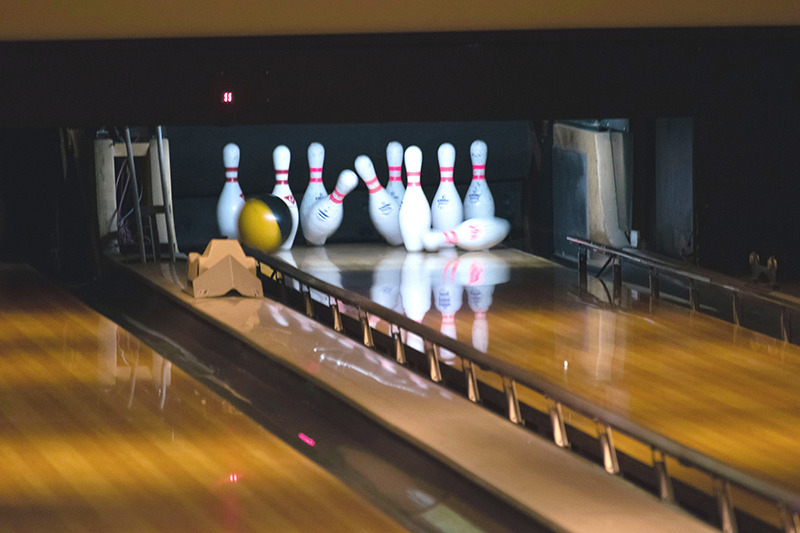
column 384, row 210
column 447, row 211
column 394, row 159
column 281, row 158
column 316, row 189
column 415, row 212
column 472, row 234
column 231, row 199
column 326, row 215
column 478, row 203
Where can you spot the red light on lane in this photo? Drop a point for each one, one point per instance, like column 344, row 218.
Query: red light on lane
column 305, row 438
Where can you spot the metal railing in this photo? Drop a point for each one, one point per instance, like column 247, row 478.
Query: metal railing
column 695, row 277
column 723, row 476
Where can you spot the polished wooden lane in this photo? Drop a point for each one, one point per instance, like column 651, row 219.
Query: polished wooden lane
column 715, row 387
column 100, row 433
column 549, row 485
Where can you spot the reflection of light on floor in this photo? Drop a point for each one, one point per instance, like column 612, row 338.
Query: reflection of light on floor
column 305, row 438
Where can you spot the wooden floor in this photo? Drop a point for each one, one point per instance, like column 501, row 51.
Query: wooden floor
column 715, row 387
column 98, row 433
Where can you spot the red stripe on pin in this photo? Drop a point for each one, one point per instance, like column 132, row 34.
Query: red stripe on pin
column 395, row 169
column 315, row 169
column 395, row 178
column 315, row 180
column 231, row 180
column 478, row 167
column 413, row 174
column 445, row 169
column 337, row 197
column 281, row 172
column 450, row 237
column 231, row 169
column 414, row 184
column 281, row 182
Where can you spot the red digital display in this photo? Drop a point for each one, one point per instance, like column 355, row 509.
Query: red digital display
column 227, row 97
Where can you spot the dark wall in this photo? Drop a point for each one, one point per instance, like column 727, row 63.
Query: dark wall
column 739, row 86
column 198, row 174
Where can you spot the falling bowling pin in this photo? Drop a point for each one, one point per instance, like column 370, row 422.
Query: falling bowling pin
column 384, row 210
column 415, row 213
column 447, row 211
column 281, row 159
column 231, row 199
column 478, row 203
column 316, row 189
column 394, row 159
column 325, row 216
column 472, row 234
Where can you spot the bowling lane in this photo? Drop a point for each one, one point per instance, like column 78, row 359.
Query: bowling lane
column 722, row 390
column 100, row 433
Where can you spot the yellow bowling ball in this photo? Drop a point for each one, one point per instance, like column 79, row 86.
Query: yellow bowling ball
column 264, row 223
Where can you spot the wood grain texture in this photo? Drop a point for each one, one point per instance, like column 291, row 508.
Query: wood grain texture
column 85, row 444
column 713, row 386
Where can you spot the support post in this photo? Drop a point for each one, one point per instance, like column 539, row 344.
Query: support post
column 655, row 292
column 665, row 490
column 137, row 208
column 786, row 325
column 512, row 402
column 337, row 315
column 693, row 303
column 582, row 269
column 557, row 422
column 610, row 461
column 727, row 516
column 472, row 381
column 399, row 347
column 790, row 520
column 308, row 303
column 433, row 361
column 366, row 330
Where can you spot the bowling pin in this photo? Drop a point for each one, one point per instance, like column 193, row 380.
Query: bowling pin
column 447, row 211
column 394, row 159
column 231, row 199
column 325, row 216
column 473, row 234
column 415, row 212
column 384, row 210
column 281, row 158
column 316, row 189
column 478, row 203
